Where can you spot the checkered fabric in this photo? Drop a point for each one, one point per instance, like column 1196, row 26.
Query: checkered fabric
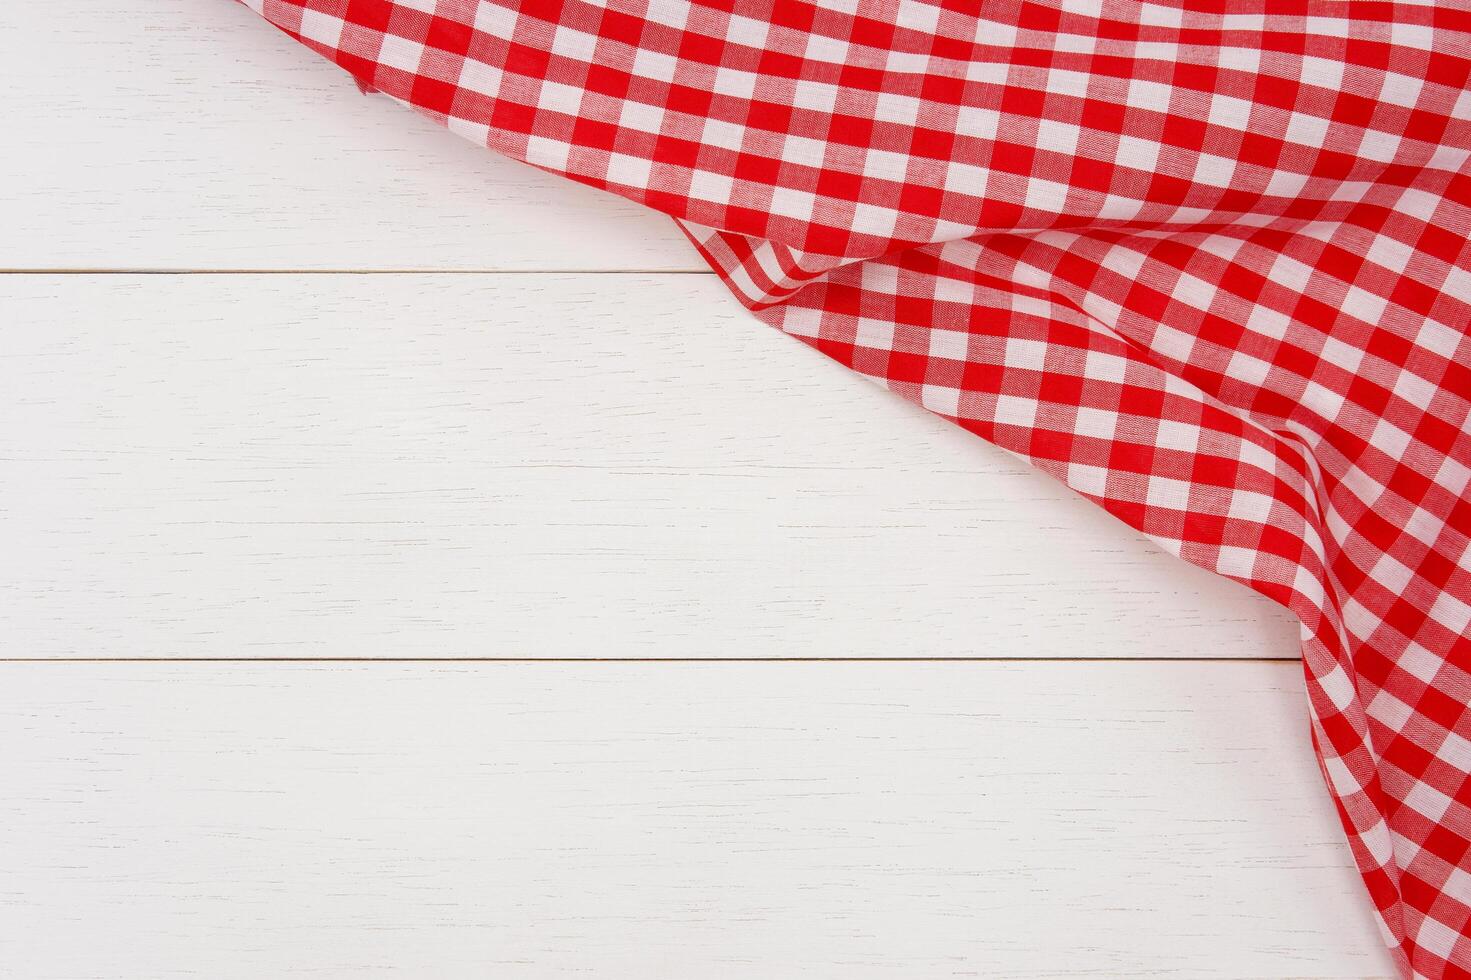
column 1208, row 267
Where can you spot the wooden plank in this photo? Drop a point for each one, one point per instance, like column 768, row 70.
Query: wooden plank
column 527, row 466
column 194, row 135
column 669, row 820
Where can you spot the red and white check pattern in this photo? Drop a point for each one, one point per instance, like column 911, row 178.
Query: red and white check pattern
column 1209, row 269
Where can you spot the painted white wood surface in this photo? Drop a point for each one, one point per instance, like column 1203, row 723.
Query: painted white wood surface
column 554, row 466
column 188, row 134
column 527, row 466
column 668, row 821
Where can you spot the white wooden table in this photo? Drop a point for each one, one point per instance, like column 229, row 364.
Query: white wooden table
column 414, row 565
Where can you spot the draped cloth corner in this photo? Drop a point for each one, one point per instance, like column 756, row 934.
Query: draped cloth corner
column 1209, row 268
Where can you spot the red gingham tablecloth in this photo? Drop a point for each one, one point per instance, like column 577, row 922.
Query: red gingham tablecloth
column 1208, row 267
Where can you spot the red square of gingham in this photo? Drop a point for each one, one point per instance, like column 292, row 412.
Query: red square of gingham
column 1207, row 267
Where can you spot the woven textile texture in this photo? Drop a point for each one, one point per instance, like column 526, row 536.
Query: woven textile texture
column 1209, row 268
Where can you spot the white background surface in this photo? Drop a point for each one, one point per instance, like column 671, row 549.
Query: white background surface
column 288, row 373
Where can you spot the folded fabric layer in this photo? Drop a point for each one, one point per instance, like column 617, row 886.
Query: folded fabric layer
column 1208, row 268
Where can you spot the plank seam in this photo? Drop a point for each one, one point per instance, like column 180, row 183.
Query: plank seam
column 648, row 660
column 142, row 271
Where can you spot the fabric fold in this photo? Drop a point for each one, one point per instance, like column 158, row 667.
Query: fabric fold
column 1208, row 267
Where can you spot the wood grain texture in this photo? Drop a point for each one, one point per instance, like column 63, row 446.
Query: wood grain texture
column 554, row 466
column 189, row 134
column 527, row 466
column 663, row 820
